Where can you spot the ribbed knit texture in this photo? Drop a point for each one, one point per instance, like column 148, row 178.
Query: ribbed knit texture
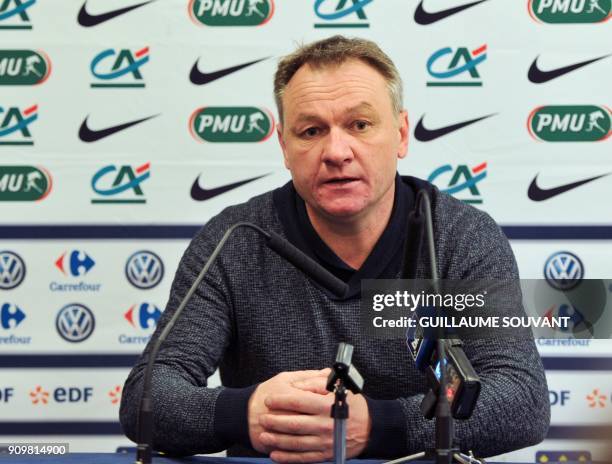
column 255, row 316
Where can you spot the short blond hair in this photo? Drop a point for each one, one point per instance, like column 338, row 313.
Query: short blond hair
column 334, row 51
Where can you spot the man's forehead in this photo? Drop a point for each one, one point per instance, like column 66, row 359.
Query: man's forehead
column 364, row 107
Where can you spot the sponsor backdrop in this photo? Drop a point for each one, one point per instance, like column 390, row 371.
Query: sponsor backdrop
column 125, row 125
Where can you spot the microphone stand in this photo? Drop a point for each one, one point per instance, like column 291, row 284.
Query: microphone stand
column 344, row 375
column 274, row 242
column 444, row 451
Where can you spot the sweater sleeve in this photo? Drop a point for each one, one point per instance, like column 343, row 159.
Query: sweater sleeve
column 513, row 409
column 185, row 409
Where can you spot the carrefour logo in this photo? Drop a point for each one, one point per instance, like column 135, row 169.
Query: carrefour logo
column 143, row 316
column 120, row 184
column 342, row 13
column 24, row 67
column 231, row 12
column 144, row 269
column 117, row 69
column 14, row 14
column 15, row 125
column 578, row 123
column 77, row 263
column 231, row 124
column 11, row 316
column 569, row 11
column 12, row 270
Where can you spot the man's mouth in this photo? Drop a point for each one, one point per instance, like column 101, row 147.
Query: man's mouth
column 341, row 180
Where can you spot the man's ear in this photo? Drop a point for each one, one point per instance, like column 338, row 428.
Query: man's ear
column 281, row 141
column 404, row 132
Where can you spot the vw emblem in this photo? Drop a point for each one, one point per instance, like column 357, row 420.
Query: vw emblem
column 144, row 269
column 563, row 270
column 75, row 323
column 12, row 270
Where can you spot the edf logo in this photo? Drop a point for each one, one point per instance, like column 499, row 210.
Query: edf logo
column 11, row 316
column 144, row 315
column 335, row 16
column 14, row 123
column 125, row 64
column 558, row 398
column 144, row 269
column 12, row 270
column 462, row 62
column 78, row 263
column 6, row 394
column 61, row 395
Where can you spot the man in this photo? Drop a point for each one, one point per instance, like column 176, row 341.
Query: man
column 271, row 330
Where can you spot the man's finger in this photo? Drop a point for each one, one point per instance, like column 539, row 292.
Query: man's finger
column 281, row 441
column 297, row 424
column 304, row 402
column 314, row 385
column 303, row 457
column 295, row 376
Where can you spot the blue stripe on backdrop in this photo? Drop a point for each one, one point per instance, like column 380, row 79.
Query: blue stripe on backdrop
column 62, row 361
column 102, row 231
column 558, row 432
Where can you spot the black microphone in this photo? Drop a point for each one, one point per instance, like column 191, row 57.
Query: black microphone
column 274, row 242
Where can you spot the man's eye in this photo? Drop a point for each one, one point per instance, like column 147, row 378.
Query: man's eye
column 310, row 132
column 361, row 125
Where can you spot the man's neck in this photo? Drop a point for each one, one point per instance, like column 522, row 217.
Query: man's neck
column 354, row 239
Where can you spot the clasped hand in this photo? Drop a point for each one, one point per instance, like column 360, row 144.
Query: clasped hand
column 289, row 418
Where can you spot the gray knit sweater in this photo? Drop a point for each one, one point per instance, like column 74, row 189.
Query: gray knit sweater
column 255, row 316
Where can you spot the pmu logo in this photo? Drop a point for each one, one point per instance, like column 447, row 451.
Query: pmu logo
column 24, row 183
column 579, row 123
column 11, row 316
column 12, row 270
column 462, row 178
column 569, row 11
column 456, row 68
column 14, row 128
column 341, row 13
column 549, row 457
column 231, row 12
column 76, row 264
column 119, row 69
column 144, row 269
column 143, row 316
column 563, row 270
column 24, row 67
column 564, row 310
column 120, row 184
column 75, row 323
column 14, row 14
column 231, row 124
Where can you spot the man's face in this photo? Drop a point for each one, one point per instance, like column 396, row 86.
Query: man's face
column 341, row 139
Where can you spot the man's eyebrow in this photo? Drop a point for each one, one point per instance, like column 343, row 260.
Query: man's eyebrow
column 361, row 107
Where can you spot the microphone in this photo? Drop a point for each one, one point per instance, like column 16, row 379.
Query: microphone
column 276, row 243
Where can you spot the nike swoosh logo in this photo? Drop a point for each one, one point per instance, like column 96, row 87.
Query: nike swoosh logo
column 199, row 78
column 536, row 193
column 537, row 76
column 424, row 18
column 87, row 20
column 423, row 134
column 201, row 194
column 88, row 135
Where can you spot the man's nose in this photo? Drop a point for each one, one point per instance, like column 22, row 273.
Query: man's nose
column 337, row 149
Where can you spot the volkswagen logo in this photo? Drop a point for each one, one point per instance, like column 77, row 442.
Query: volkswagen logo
column 75, row 323
column 12, row 270
column 144, row 269
column 563, row 270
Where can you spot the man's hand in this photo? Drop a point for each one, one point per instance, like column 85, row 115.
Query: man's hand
column 298, row 427
column 281, row 384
